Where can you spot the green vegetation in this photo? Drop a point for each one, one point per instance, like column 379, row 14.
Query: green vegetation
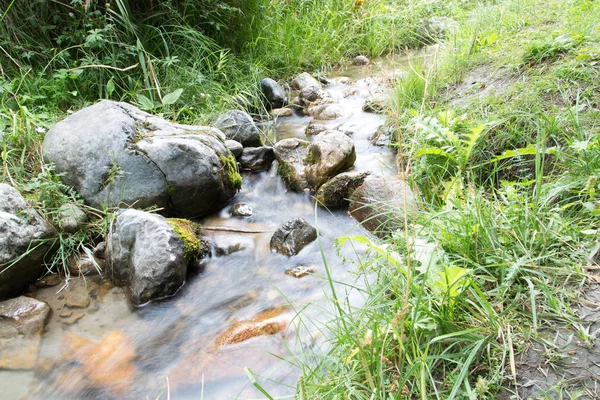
column 501, row 138
column 231, row 171
column 189, row 232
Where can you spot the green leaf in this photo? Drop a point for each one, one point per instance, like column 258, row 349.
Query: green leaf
column 172, row 97
column 434, row 151
column 110, row 88
column 145, row 103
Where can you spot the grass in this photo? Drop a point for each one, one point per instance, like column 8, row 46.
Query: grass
column 509, row 214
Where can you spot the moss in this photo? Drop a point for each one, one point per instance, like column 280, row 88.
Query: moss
column 230, row 167
column 189, row 233
column 287, row 173
column 310, row 157
column 171, row 189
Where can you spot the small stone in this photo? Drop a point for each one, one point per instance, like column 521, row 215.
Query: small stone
column 292, row 237
column 65, row 313
column 77, row 300
column 49, row 281
column 360, row 60
column 76, row 316
column 281, row 112
column 328, row 111
column 85, row 265
column 349, row 92
column 71, row 217
column 314, row 129
column 343, row 80
column 242, row 210
column 257, row 158
column 300, row 271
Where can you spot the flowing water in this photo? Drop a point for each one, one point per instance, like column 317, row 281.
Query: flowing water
column 111, row 350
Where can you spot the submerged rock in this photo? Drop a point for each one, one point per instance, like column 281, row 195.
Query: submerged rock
column 380, row 203
column 22, row 322
column 281, row 112
column 26, row 237
column 257, row 158
column 360, row 60
column 291, row 156
column 114, row 154
column 267, row 322
column 150, row 253
column 292, row 236
column 242, row 210
column 274, row 93
column 313, row 128
column 238, row 125
column 336, row 192
column 300, row 271
column 328, row 111
column 330, row 153
column 435, row 28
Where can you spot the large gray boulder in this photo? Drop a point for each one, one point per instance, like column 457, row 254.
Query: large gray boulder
column 150, row 253
column 380, row 204
column 336, row 192
column 114, row 154
column 330, row 153
column 291, row 156
column 26, row 241
column 238, row 125
column 22, row 322
column 274, row 93
column 293, row 236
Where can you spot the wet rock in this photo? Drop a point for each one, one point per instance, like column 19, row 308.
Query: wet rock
column 292, row 236
column 375, row 104
column 242, row 210
column 314, row 129
column 281, row 112
column 300, row 271
column 394, row 76
column 228, row 244
column 343, row 80
column 23, row 233
column 77, row 298
column 330, row 153
column 22, row 322
column 267, row 322
column 328, row 111
column 274, row 93
column 324, row 81
column 360, row 60
column 49, row 281
column 349, row 92
column 336, row 192
column 113, row 153
column 310, row 94
column 100, row 250
column 291, row 155
column 71, row 217
column 147, row 254
column 257, row 158
column 83, row 264
column 72, row 318
column 304, row 80
column 234, row 147
column 238, row 125
column 435, row 28
column 382, row 137
column 379, row 204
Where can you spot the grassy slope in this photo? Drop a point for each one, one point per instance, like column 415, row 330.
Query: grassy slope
column 509, row 181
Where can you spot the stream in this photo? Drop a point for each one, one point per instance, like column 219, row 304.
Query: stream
column 169, row 348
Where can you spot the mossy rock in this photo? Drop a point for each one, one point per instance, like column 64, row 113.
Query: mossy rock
column 189, row 233
column 231, row 171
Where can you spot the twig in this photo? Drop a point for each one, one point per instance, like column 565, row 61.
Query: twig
column 226, row 229
column 104, row 66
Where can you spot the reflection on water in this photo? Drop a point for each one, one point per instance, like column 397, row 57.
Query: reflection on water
column 113, row 351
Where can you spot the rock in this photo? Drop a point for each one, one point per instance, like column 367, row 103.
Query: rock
column 304, row 80
column 267, row 322
column 226, row 244
column 379, row 204
column 349, row 92
column 113, row 154
column 71, row 217
column 281, row 112
column 274, row 93
column 49, row 281
column 314, row 129
column 238, row 125
column 257, row 158
column 234, row 147
column 77, row 299
column 242, row 210
column 150, row 254
column 375, row 104
column 23, row 233
column 291, row 155
column 292, row 236
column 310, row 94
column 343, row 80
column 382, row 137
column 328, row 111
column 22, row 322
column 360, row 60
column 100, row 250
column 330, row 153
column 435, row 28
column 300, row 271
column 394, row 76
column 83, row 264
column 72, row 318
column 336, row 192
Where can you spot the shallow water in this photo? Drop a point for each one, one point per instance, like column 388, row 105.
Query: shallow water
column 169, row 346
